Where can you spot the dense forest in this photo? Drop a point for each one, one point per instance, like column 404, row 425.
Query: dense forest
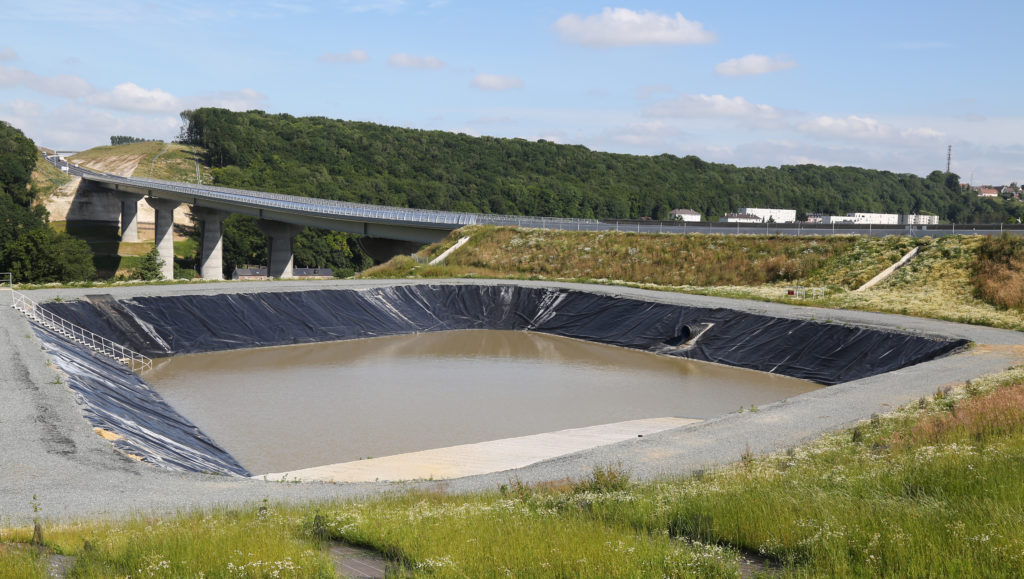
column 371, row 163
column 29, row 249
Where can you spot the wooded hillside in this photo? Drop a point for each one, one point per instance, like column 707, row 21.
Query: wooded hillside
column 366, row 162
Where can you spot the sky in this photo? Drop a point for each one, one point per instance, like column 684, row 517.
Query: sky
column 882, row 85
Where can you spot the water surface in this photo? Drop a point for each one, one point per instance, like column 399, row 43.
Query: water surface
column 290, row 407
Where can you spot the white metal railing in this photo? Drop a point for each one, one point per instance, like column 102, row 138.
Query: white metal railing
column 7, row 283
column 134, row 360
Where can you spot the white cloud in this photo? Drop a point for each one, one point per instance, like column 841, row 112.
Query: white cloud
column 129, row 96
column 74, row 126
column 865, row 128
column 702, row 105
column 243, row 100
column 654, row 134
column 402, row 60
column 752, row 64
column 61, row 85
column 7, row 54
column 496, row 82
column 625, row 27
column 24, row 109
column 344, row 57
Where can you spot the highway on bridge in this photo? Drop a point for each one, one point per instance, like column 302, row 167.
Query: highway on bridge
column 283, row 216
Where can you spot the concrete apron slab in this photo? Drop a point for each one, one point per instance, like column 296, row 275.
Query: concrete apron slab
column 483, row 457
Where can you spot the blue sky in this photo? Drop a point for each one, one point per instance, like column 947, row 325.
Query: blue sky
column 884, row 85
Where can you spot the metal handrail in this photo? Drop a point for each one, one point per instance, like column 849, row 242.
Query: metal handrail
column 7, row 279
column 134, row 360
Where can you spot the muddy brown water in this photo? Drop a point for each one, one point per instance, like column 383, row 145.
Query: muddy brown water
column 290, row 407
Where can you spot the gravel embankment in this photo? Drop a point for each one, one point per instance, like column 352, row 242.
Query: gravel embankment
column 49, row 450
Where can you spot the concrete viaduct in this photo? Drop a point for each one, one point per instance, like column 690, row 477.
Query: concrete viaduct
column 282, row 217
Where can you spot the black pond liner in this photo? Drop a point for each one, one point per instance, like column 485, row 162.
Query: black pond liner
column 166, row 326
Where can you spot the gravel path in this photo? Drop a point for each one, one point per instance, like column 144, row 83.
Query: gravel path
column 49, row 450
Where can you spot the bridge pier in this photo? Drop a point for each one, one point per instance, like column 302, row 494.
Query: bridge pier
column 280, row 256
column 211, row 250
column 164, row 238
column 129, row 216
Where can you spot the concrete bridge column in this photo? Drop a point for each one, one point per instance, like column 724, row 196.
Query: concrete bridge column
column 129, row 216
column 211, row 251
column 164, row 209
column 280, row 256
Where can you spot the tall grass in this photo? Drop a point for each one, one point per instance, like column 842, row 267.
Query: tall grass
column 660, row 259
column 525, row 534
column 264, row 541
column 998, row 273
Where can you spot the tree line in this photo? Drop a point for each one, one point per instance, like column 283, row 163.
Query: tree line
column 29, row 248
column 372, row 163
column 126, row 140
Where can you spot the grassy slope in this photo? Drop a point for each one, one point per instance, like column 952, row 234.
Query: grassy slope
column 157, row 160
column 46, row 179
column 937, row 284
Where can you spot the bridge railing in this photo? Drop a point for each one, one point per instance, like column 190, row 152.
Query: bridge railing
column 134, row 360
column 427, row 217
column 308, row 205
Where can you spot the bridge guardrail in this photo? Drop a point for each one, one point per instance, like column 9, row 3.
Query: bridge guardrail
column 440, row 219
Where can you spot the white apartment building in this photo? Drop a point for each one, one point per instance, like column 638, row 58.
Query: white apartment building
column 837, row 219
column 776, row 215
column 919, row 219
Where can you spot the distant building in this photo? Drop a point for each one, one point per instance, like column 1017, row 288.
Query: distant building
column 863, row 219
column 741, row 218
column 249, row 273
column 919, row 219
column 988, row 192
column 876, row 218
column 776, row 215
column 684, row 215
column 836, row 219
column 313, row 273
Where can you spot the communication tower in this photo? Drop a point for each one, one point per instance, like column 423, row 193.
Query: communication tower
column 949, row 157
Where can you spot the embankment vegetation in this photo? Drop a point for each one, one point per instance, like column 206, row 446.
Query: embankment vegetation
column 998, row 272
column 149, row 160
column 929, row 490
column 969, row 279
